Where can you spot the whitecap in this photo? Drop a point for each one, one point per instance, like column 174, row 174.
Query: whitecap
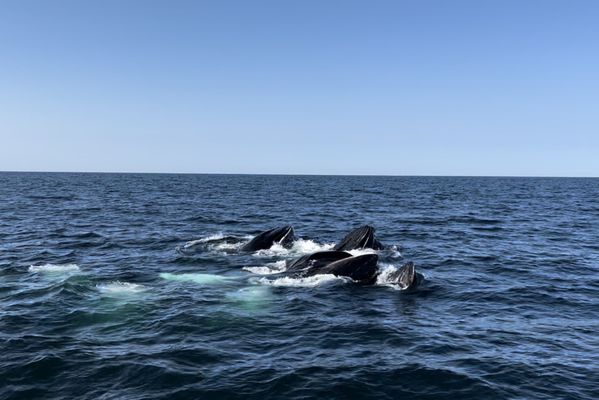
column 120, row 288
column 310, row 281
column 269, row 269
column 202, row 279
column 54, row 268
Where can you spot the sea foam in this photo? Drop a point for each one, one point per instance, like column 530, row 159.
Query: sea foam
column 269, row 269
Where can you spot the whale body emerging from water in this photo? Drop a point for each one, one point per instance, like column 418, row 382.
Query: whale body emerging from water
column 360, row 238
column 283, row 235
column 362, row 268
column 316, row 260
column 406, row 277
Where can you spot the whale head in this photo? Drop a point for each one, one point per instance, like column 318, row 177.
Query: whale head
column 360, row 238
column 283, row 235
column 362, row 268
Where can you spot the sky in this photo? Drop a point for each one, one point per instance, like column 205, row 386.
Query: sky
column 416, row 87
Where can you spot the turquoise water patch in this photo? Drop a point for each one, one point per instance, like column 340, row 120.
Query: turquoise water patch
column 202, row 279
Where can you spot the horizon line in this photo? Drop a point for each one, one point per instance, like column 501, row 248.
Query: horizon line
column 298, row 174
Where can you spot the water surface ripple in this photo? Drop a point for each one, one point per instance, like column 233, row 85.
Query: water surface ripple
column 100, row 298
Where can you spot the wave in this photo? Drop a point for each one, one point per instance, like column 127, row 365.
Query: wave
column 120, row 288
column 54, row 268
column 268, row 269
column 310, row 281
column 202, row 279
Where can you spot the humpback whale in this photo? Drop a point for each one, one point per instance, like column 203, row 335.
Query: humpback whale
column 362, row 268
column 360, row 238
column 283, row 235
column 406, row 277
column 316, row 260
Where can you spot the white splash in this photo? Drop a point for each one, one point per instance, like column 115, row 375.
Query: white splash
column 226, row 246
column 120, row 288
column 299, row 247
column 310, row 281
column 385, row 272
column 394, row 252
column 269, row 269
column 54, row 268
column 359, row 252
column 206, row 242
column 202, row 279
column 192, row 243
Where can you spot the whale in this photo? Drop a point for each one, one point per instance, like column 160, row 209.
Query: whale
column 283, row 235
column 406, row 277
column 360, row 238
column 361, row 268
column 316, row 260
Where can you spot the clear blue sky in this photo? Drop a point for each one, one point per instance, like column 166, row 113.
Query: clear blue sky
column 328, row 87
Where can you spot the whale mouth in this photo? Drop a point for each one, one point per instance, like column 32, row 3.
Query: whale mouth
column 288, row 236
column 404, row 278
column 360, row 238
column 361, row 269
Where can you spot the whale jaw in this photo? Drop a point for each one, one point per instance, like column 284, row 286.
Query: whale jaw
column 406, row 277
column 362, row 268
column 360, row 238
column 283, row 235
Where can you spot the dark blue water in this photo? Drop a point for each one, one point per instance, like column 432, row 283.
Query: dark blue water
column 111, row 289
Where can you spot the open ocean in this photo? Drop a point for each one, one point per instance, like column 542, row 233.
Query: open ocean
column 111, row 287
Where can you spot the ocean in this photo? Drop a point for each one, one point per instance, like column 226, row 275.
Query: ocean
column 132, row 286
